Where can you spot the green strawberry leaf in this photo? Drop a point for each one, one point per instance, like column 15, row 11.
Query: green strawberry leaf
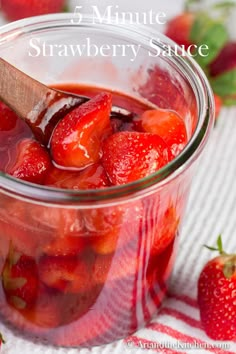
column 220, row 244
column 229, row 101
column 219, row 247
column 210, row 32
column 225, row 84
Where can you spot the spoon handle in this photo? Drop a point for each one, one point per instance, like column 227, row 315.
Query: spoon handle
column 38, row 105
column 20, row 92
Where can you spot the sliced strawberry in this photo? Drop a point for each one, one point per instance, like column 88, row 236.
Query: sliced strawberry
column 76, row 140
column 61, row 221
column 160, row 265
column 65, row 273
column 101, row 268
column 103, row 220
column 129, row 156
column 111, row 268
column 105, row 244
column 164, row 232
column 30, row 163
column 8, row 118
column 20, row 280
column 65, row 246
column 169, row 126
column 103, row 226
column 47, row 312
column 179, row 29
column 111, row 228
column 92, row 177
column 17, row 231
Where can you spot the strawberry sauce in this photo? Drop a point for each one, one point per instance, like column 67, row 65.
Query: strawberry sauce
column 89, row 276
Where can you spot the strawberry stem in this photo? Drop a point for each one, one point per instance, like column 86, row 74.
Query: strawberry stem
column 230, row 267
column 219, row 247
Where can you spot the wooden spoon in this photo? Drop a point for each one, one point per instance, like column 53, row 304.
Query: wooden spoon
column 38, row 105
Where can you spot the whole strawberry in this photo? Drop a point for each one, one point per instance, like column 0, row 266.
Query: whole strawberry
column 217, row 295
column 16, row 10
column 179, row 29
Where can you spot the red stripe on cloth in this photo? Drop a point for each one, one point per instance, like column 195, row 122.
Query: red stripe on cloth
column 184, row 298
column 184, row 338
column 181, row 316
column 141, row 343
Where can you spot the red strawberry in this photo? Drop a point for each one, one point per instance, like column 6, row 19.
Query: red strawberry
column 30, row 163
column 76, row 140
column 164, row 230
column 65, row 273
column 20, row 280
column 217, row 295
column 8, row 118
column 105, row 244
column 18, row 230
column 103, row 220
column 179, row 29
column 101, row 268
column 113, row 227
column 15, row 9
column 60, row 221
column 129, row 156
column 225, row 61
column 103, row 224
column 92, row 177
column 65, row 246
column 47, row 312
column 168, row 125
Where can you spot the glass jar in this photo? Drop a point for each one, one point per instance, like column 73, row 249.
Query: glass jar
column 85, row 268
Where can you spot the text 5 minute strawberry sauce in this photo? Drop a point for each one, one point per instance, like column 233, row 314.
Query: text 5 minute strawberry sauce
column 86, row 250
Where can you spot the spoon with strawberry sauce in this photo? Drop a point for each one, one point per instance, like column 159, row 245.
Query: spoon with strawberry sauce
column 38, row 105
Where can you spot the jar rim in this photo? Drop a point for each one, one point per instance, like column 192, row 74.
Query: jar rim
column 188, row 155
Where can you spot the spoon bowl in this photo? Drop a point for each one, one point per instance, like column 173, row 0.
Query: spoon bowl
column 38, row 105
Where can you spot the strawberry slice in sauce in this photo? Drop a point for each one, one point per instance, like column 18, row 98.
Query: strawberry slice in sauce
column 92, row 177
column 20, row 280
column 168, row 125
column 76, row 140
column 129, row 156
column 31, row 161
column 64, row 273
